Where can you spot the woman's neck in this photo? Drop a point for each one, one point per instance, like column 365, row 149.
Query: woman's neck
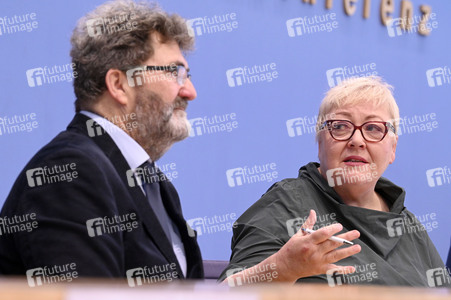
column 362, row 196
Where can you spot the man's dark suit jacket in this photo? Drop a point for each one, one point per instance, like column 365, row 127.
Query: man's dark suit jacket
column 101, row 189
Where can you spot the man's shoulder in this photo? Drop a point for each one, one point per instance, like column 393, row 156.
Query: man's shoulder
column 69, row 165
column 70, row 151
column 68, row 146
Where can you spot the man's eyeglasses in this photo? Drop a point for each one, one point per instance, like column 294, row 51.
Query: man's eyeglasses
column 343, row 130
column 178, row 71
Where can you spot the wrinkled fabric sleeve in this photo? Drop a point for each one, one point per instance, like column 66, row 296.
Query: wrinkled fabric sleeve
column 262, row 230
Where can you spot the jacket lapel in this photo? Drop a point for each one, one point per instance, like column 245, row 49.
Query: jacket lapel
column 172, row 204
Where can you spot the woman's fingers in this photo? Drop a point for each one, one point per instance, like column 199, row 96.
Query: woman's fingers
column 339, row 254
column 329, row 245
column 323, row 234
column 307, row 254
column 311, row 253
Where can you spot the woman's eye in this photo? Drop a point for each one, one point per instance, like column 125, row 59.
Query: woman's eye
column 373, row 127
column 341, row 126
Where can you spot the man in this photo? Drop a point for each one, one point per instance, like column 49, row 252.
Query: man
column 98, row 203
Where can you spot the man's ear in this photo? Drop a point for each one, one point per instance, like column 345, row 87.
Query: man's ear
column 117, row 86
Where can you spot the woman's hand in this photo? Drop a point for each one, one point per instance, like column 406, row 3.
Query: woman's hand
column 313, row 254
column 305, row 255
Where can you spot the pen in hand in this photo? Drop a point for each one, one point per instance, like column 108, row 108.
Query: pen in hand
column 332, row 238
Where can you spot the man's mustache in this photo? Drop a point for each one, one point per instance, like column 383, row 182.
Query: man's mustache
column 180, row 103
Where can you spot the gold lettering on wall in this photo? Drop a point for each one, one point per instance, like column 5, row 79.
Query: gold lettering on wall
column 406, row 15
column 422, row 27
column 349, row 6
column 329, row 4
column 366, row 9
column 387, row 8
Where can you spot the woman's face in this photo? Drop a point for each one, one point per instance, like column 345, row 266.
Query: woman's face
column 356, row 161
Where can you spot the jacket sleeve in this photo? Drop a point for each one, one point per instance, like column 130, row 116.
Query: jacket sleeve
column 63, row 204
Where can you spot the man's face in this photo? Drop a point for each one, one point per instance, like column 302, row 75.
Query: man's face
column 160, row 103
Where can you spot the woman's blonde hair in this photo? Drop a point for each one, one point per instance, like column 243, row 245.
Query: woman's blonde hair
column 357, row 91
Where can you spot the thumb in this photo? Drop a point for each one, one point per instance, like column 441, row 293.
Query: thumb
column 310, row 222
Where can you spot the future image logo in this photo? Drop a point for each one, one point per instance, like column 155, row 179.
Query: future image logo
column 309, row 25
column 136, row 76
column 110, row 225
column 18, row 123
column 438, row 277
column 149, row 275
column 18, row 223
column 49, row 75
column 408, row 224
column 213, row 124
column 249, row 75
column 51, row 174
column 53, row 274
column 335, row 177
column 295, row 224
column 248, row 175
column 94, row 128
column 415, row 24
column 438, row 76
column 210, row 25
column 394, row 27
column 438, row 176
column 210, row 225
column 336, row 75
column 395, row 227
column 300, row 126
column 111, row 25
column 259, row 273
column 18, row 23
column 140, row 75
column 351, row 175
column 237, row 281
column 416, row 124
column 363, row 274
column 305, row 125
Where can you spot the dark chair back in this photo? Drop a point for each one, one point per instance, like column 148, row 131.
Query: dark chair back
column 214, row 268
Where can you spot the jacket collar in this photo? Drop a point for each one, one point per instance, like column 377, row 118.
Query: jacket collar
column 372, row 224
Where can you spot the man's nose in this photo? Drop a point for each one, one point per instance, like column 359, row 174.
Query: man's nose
column 187, row 90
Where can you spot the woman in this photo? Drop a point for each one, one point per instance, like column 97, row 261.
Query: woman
column 344, row 196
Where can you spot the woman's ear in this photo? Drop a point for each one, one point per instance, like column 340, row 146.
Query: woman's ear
column 393, row 154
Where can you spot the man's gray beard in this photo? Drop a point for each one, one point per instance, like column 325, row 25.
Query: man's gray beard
column 157, row 128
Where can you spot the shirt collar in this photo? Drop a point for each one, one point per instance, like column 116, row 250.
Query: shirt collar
column 133, row 153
